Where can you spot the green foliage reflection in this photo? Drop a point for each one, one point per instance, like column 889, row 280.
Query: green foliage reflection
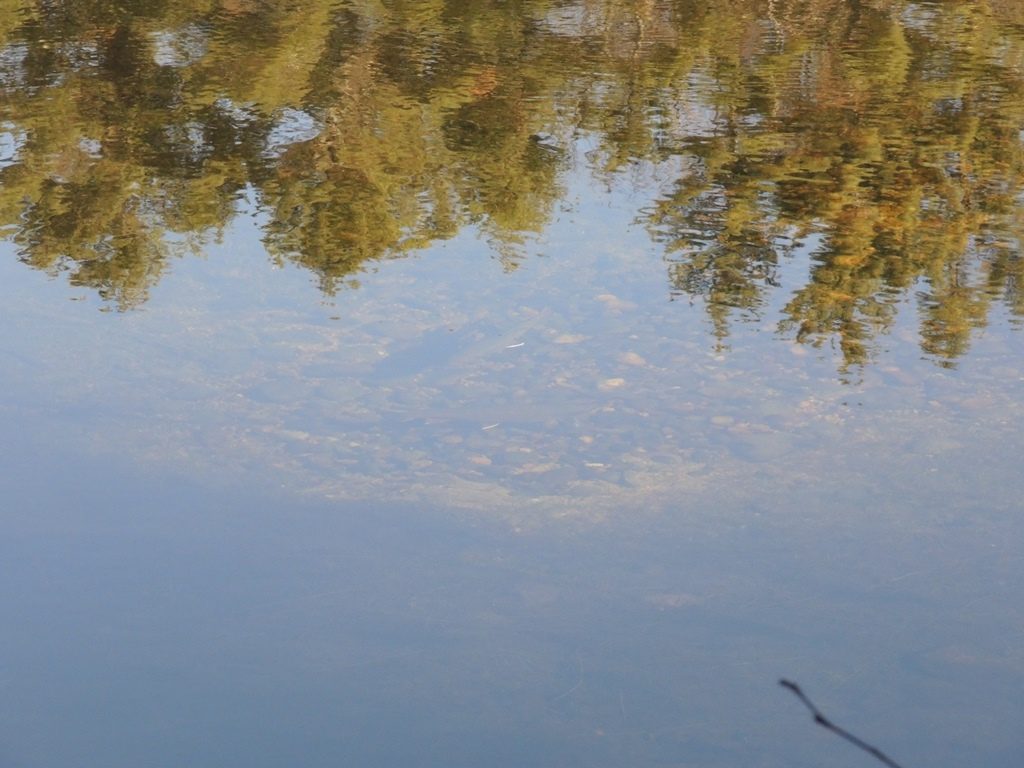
column 884, row 135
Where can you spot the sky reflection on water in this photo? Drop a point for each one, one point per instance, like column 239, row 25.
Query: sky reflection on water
column 532, row 389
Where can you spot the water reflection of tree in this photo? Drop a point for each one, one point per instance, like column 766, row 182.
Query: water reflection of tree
column 884, row 132
column 150, row 121
column 894, row 142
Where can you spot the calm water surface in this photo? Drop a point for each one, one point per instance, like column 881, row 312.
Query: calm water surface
column 510, row 384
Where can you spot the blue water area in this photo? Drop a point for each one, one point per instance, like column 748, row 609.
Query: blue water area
column 152, row 620
column 510, row 385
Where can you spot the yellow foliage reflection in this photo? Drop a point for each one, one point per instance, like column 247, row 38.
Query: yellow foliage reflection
column 883, row 135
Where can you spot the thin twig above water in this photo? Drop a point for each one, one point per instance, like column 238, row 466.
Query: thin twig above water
column 824, row 722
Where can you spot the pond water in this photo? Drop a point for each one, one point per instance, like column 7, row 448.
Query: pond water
column 457, row 383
